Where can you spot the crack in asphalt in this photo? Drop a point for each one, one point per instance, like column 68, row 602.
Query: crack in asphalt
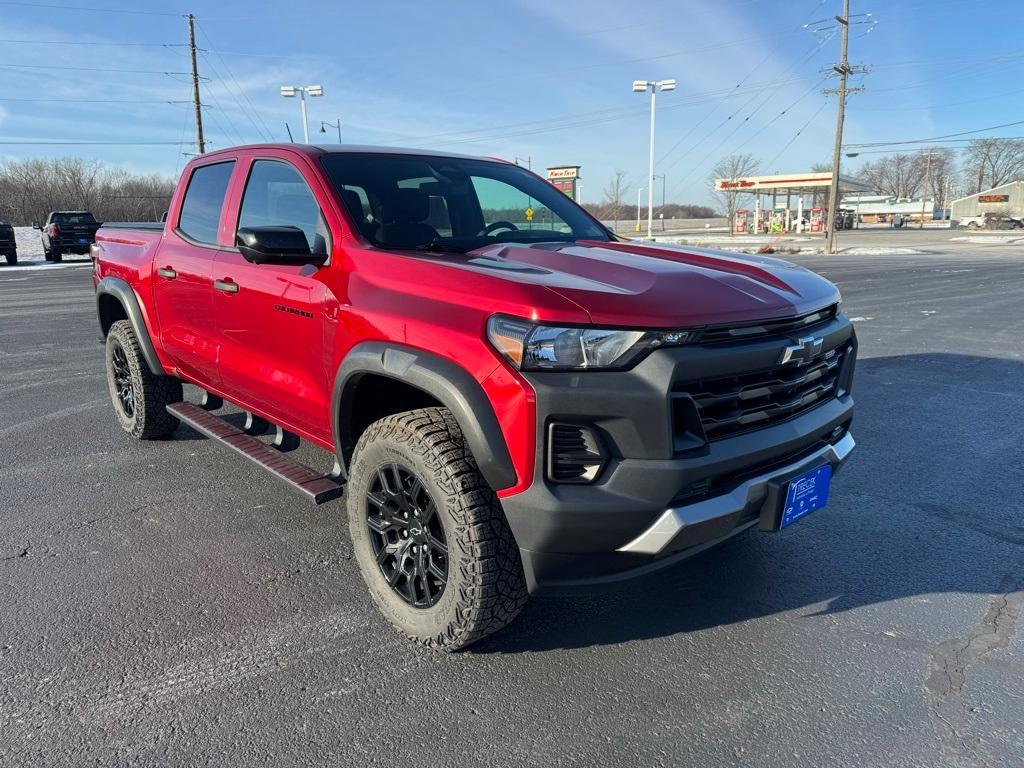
column 951, row 660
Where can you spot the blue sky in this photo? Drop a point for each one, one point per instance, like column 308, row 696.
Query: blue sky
column 544, row 79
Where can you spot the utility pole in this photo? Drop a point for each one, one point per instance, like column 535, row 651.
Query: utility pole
column 843, row 68
column 927, row 184
column 200, row 141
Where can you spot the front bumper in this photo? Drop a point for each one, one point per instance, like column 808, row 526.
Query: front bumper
column 656, row 502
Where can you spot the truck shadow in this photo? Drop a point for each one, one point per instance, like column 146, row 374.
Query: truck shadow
column 929, row 503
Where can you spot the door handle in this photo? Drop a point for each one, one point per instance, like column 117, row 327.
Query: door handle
column 167, row 272
column 227, row 285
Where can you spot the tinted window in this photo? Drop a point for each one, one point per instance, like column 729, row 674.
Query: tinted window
column 452, row 203
column 72, row 218
column 276, row 195
column 204, row 198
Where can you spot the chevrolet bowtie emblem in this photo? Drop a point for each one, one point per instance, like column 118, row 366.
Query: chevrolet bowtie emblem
column 803, row 351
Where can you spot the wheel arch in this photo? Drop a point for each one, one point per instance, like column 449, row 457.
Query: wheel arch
column 116, row 300
column 438, row 382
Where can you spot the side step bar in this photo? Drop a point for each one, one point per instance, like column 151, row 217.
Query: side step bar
column 319, row 488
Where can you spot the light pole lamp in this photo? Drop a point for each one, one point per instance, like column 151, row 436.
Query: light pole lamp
column 642, row 86
column 325, row 123
column 290, row 91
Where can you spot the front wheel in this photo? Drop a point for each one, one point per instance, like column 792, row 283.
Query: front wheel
column 972, row 225
column 429, row 534
column 140, row 397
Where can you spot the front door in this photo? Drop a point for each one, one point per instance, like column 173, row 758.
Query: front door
column 271, row 317
column 183, row 276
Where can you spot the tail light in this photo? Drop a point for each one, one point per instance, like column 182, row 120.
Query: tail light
column 54, row 230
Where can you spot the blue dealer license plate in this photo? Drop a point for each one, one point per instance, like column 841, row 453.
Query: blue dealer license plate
column 83, row 240
column 805, row 494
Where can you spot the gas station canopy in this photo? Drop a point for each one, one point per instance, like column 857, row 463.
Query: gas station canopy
column 789, row 183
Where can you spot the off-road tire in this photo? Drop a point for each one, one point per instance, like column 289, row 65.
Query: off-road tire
column 486, row 588
column 12, row 258
column 149, row 419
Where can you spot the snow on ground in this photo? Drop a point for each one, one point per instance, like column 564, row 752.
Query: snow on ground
column 880, row 251
column 30, row 253
column 991, row 239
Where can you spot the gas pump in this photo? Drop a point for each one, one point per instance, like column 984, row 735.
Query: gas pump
column 817, row 220
column 777, row 223
column 741, row 225
column 763, row 217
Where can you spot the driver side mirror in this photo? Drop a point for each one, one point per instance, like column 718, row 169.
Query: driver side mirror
column 276, row 245
column 37, row 225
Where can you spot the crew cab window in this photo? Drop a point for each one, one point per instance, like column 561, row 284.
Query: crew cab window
column 204, row 199
column 276, row 195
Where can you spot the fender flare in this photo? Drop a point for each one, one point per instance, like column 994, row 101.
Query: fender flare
column 445, row 381
column 125, row 294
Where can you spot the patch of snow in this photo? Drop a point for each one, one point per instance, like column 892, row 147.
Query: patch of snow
column 991, row 239
column 30, row 253
column 860, row 319
column 881, row 251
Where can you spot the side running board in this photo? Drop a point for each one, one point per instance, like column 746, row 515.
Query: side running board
column 318, row 487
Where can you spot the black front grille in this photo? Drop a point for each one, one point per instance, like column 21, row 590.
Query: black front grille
column 731, row 405
column 784, row 327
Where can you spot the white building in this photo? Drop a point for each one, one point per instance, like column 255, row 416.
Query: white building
column 877, row 208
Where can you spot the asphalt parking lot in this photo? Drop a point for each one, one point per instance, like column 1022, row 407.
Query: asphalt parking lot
column 168, row 603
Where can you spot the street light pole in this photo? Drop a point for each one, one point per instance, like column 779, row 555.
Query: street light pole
column 325, row 123
column 642, row 86
column 289, row 92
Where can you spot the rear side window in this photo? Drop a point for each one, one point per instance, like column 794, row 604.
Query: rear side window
column 72, row 218
column 204, row 198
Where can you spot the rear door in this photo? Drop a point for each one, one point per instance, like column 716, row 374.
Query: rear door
column 271, row 317
column 183, row 275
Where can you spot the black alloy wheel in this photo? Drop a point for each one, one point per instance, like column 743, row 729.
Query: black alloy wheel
column 123, row 380
column 407, row 536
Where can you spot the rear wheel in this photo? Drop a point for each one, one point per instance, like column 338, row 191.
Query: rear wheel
column 56, row 256
column 12, row 258
column 140, row 397
column 429, row 534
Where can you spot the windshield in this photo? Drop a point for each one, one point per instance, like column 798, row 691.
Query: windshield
column 446, row 203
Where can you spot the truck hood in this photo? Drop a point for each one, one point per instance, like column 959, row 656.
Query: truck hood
column 656, row 286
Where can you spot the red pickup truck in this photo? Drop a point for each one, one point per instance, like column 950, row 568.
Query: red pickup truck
column 514, row 397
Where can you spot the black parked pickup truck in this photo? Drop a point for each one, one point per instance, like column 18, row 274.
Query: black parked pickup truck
column 68, row 232
column 8, row 247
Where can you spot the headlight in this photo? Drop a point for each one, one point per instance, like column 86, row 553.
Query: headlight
column 531, row 347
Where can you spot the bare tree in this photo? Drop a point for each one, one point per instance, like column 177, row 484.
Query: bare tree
column 613, row 194
column 988, row 163
column 732, row 167
column 30, row 189
column 898, row 175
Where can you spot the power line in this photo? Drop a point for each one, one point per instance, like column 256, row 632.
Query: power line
column 95, row 101
column 263, row 131
column 93, row 69
column 932, row 138
column 97, row 43
column 53, row 6
column 57, row 142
